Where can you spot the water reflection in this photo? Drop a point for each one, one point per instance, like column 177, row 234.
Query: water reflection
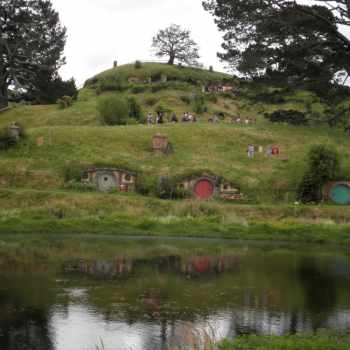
column 131, row 293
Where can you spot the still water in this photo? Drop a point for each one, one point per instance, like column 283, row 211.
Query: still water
column 67, row 292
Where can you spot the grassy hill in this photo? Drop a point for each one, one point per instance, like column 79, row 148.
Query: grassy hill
column 78, row 137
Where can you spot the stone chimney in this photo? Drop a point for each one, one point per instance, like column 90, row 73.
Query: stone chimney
column 14, row 130
column 160, row 141
column 115, row 64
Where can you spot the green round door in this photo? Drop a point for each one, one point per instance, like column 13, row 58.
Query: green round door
column 341, row 194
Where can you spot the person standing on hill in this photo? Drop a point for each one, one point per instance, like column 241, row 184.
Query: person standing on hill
column 160, row 116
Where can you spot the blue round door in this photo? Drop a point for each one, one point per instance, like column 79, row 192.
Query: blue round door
column 341, row 194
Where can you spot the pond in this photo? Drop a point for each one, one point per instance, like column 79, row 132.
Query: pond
column 66, row 292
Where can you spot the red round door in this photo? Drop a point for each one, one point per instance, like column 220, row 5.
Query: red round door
column 203, row 189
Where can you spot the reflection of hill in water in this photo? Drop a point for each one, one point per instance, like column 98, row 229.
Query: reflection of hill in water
column 250, row 291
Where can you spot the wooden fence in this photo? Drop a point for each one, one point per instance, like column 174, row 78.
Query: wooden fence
column 14, row 106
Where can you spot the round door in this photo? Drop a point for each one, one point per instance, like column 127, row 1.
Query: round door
column 204, row 189
column 105, row 181
column 341, row 194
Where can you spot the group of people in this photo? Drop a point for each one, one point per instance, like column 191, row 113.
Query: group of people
column 223, row 89
column 159, row 119
column 189, row 117
column 241, row 121
column 213, row 119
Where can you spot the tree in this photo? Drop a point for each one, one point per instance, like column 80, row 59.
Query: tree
column 177, row 44
column 31, row 43
column 287, row 44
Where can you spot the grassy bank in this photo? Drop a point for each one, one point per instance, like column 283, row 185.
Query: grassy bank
column 30, row 211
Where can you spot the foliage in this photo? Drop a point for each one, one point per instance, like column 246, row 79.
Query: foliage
column 213, row 97
column 136, row 89
column 112, row 110
column 32, row 42
column 48, row 86
column 73, row 172
column 7, row 140
column 138, row 64
column 291, row 117
column 150, row 101
column 320, row 340
column 167, row 189
column 176, row 43
column 114, row 189
column 74, row 185
column 323, row 162
column 64, row 101
column 134, row 107
column 186, row 99
column 295, row 44
column 199, row 104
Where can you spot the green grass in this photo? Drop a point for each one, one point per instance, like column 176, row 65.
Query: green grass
column 320, row 340
column 79, row 138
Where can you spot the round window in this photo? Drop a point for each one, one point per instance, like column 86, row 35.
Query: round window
column 182, row 186
column 225, row 187
column 127, row 177
column 85, row 176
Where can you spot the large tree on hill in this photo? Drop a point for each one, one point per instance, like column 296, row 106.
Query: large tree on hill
column 175, row 43
column 288, row 44
column 31, row 43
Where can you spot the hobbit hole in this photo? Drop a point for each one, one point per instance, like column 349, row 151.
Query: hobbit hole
column 132, row 80
column 104, row 178
column 206, row 186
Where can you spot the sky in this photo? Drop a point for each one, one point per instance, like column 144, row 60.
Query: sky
column 102, row 31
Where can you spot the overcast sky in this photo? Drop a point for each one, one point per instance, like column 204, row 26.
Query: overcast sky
column 102, row 31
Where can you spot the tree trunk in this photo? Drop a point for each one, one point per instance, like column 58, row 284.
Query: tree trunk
column 3, row 92
column 3, row 76
column 171, row 60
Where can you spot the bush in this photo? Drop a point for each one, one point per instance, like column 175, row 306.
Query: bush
column 185, row 99
column 112, row 110
column 323, row 162
column 114, row 189
column 138, row 64
column 213, row 97
column 7, row 140
column 73, row 172
column 226, row 94
column 150, row 101
column 136, row 89
column 65, row 100
column 134, row 107
column 155, row 88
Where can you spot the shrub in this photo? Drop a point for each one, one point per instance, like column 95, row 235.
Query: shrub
column 226, row 94
column 112, row 109
column 64, row 101
column 7, row 140
column 136, row 89
column 290, row 116
column 108, row 87
column 155, row 88
column 73, row 172
column 114, row 189
column 150, row 101
column 134, row 107
column 186, row 99
column 138, row 64
column 323, row 162
column 213, row 97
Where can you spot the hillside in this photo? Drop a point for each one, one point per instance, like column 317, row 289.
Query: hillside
column 79, row 138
